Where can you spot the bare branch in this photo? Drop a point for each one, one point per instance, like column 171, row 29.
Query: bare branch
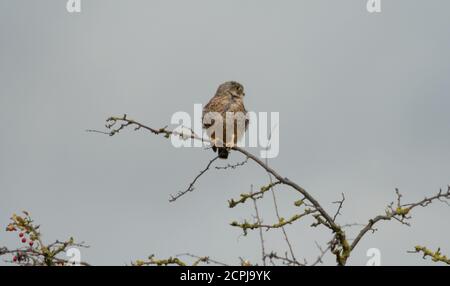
column 202, row 259
column 340, row 203
column 191, row 185
column 400, row 212
column 322, row 253
column 284, row 259
column 342, row 252
column 234, row 166
column 125, row 122
column 259, row 221
column 277, row 213
column 339, row 245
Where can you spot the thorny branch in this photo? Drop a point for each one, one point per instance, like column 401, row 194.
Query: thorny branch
column 151, row 260
column 191, row 185
column 339, row 245
column 400, row 212
column 322, row 253
column 258, row 220
column 202, row 259
column 159, row 262
column 282, row 222
column 284, row 259
column 234, row 166
column 277, row 212
column 340, row 204
column 252, row 195
column 436, row 256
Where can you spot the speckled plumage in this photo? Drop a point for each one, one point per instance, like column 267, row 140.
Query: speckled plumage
column 229, row 99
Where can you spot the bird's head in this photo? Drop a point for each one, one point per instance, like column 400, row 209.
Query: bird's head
column 235, row 89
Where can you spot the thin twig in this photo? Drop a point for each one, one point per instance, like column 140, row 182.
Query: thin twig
column 275, row 204
column 234, row 166
column 258, row 220
column 399, row 213
column 205, row 259
column 285, row 260
column 340, row 203
column 322, row 253
column 191, row 185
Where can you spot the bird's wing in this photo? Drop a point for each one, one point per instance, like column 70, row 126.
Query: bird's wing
column 217, row 104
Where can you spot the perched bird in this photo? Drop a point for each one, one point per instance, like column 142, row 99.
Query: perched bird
column 225, row 118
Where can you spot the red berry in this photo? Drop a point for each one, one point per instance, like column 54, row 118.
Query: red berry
column 15, row 258
column 24, row 240
column 31, row 243
column 21, row 234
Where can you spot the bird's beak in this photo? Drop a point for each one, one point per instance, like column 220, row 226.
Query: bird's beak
column 243, row 94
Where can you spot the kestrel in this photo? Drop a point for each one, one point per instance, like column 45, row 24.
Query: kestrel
column 225, row 118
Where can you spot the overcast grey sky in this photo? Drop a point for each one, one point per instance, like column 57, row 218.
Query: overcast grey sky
column 363, row 101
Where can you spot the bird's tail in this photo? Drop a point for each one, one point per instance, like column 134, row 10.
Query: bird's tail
column 223, row 152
